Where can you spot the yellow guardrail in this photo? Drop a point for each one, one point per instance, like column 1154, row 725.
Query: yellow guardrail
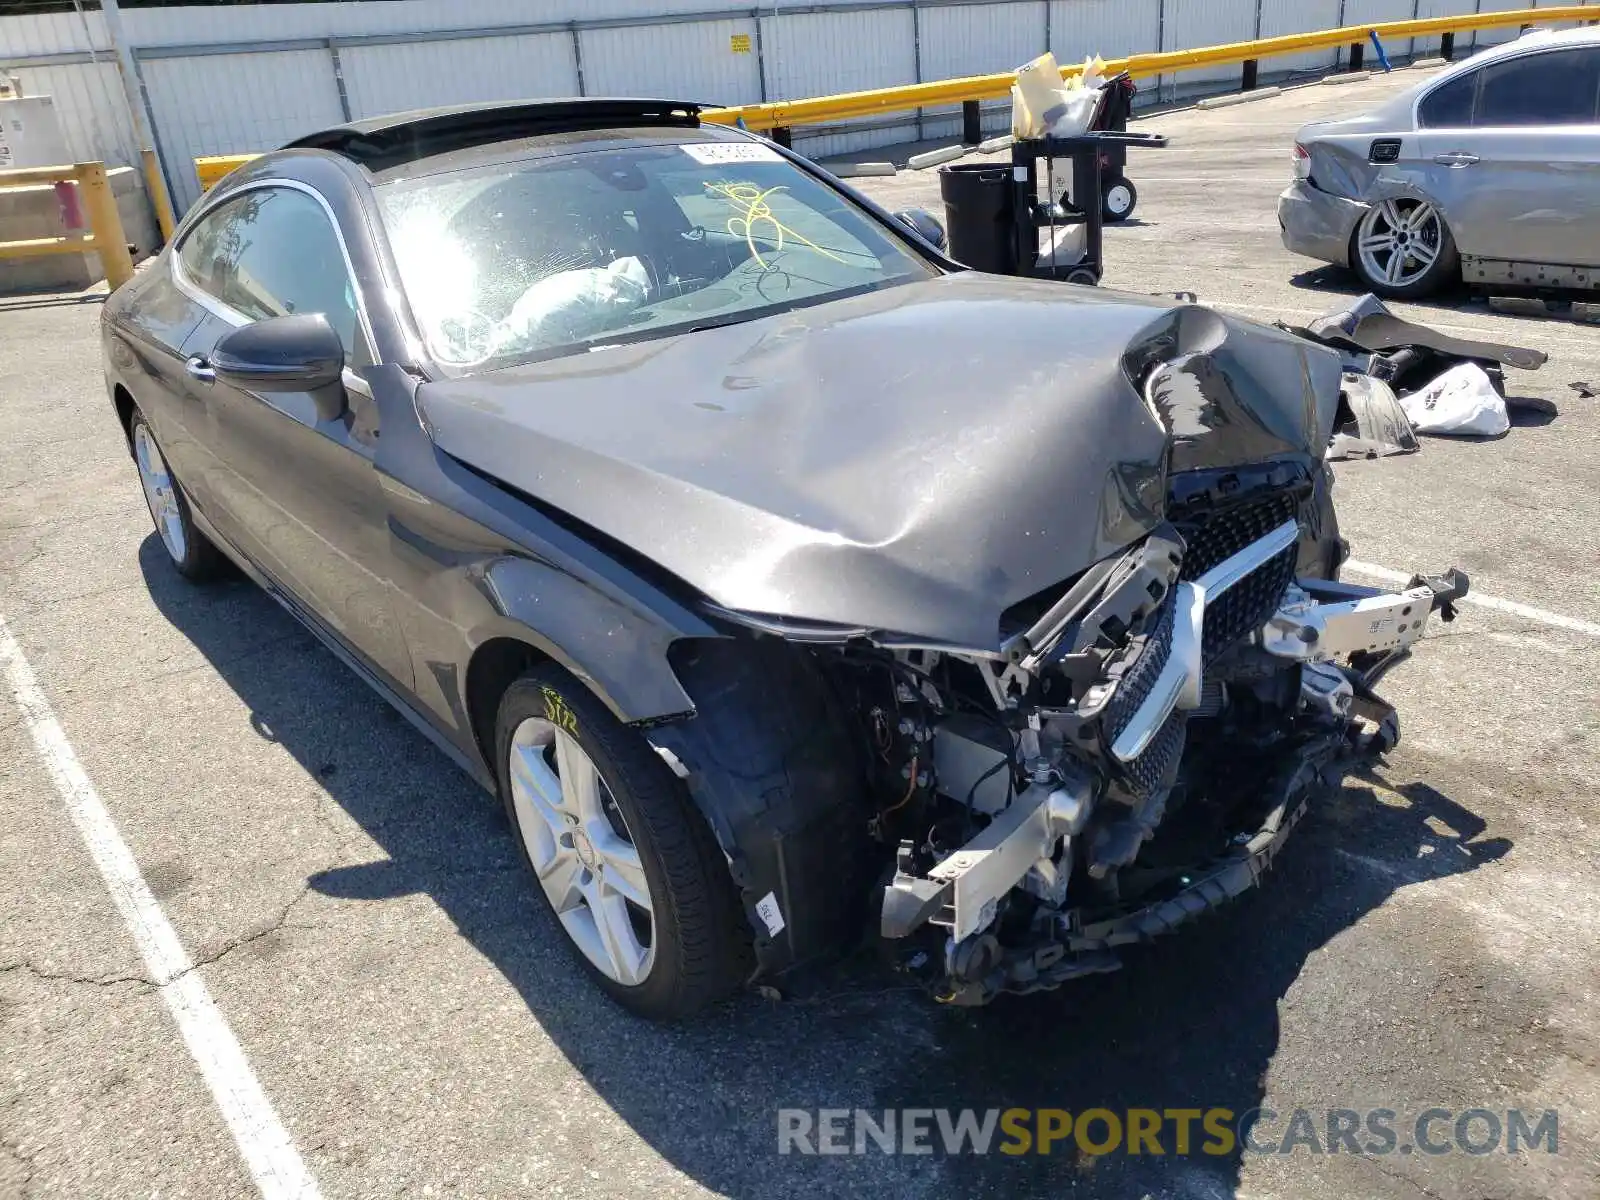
column 105, row 236
column 825, row 110
column 212, row 168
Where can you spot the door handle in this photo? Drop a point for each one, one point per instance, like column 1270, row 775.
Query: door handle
column 200, row 369
column 1457, row 158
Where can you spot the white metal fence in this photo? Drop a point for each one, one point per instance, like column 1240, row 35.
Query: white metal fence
column 235, row 78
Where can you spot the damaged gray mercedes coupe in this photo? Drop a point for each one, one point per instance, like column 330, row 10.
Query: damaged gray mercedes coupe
column 790, row 583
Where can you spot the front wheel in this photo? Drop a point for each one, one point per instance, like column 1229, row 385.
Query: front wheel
column 629, row 868
column 1403, row 248
column 190, row 550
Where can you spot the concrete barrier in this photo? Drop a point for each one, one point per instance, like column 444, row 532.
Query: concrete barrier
column 1230, row 100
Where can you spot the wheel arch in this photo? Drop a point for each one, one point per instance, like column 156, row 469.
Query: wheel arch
column 494, row 666
column 770, row 762
column 122, row 400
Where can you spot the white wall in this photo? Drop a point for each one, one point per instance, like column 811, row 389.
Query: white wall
column 211, row 103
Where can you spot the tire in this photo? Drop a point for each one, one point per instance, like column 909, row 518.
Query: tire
column 189, row 550
column 1084, row 277
column 1119, row 199
column 1387, row 231
column 691, row 942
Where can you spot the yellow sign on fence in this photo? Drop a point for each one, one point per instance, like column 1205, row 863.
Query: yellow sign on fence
column 739, row 43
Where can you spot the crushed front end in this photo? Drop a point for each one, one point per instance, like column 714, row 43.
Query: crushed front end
column 1138, row 752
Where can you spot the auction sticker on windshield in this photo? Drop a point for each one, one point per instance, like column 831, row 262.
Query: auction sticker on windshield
column 714, row 153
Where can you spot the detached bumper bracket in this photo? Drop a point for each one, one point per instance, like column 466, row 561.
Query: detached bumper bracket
column 1453, row 585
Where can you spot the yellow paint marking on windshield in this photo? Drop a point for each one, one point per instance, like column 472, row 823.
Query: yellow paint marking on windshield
column 754, row 212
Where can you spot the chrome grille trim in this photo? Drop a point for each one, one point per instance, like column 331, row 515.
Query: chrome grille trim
column 1249, row 560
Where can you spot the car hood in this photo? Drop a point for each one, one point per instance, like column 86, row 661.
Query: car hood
column 913, row 460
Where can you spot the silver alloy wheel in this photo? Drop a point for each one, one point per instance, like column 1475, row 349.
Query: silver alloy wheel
column 582, row 851
column 160, row 492
column 1400, row 240
column 1118, row 199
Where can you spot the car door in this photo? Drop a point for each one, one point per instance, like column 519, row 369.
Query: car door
column 298, row 494
column 1521, row 182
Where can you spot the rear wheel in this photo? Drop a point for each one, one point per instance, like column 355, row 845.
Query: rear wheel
column 1403, row 248
column 629, row 868
column 190, row 550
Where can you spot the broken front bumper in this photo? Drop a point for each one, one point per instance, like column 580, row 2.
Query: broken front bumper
column 1316, row 622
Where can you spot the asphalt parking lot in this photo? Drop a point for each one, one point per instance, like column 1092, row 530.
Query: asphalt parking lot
column 357, row 913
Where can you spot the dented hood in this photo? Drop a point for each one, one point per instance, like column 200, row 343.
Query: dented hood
column 914, row 460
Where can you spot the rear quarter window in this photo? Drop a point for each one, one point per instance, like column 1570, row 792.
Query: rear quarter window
column 1450, row 106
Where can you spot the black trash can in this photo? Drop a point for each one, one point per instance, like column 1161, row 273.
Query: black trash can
column 978, row 202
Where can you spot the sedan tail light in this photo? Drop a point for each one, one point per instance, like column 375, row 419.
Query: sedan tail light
column 1302, row 162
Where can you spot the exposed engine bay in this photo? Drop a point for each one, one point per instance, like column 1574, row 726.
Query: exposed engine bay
column 1136, row 754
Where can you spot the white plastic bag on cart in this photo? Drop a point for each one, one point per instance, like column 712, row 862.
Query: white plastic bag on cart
column 1042, row 103
column 1463, row 402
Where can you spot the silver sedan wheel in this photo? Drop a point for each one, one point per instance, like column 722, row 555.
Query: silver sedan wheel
column 1400, row 240
column 582, row 851
column 160, row 492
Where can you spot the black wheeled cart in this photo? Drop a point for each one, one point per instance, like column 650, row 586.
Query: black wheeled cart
column 1080, row 205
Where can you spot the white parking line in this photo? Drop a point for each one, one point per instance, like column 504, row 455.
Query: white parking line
column 279, row 1171
column 1526, row 611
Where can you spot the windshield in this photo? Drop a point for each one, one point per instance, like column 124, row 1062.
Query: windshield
column 526, row 260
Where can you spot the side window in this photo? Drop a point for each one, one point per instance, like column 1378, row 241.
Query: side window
column 1450, row 106
column 1556, row 88
column 269, row 253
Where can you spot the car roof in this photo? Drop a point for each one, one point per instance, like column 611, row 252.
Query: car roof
column 382, row 143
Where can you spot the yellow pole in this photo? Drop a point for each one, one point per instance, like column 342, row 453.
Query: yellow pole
column 158, row 193
column 109, row 242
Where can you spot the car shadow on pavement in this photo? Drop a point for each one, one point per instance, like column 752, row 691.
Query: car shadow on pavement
column 1190, row 1022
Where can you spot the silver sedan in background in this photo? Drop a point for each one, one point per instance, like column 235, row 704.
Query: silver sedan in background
column 1488, row 172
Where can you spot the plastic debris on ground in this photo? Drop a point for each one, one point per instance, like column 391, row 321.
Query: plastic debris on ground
column 1371, row 421
column 1431, row 383
column 1463, row 402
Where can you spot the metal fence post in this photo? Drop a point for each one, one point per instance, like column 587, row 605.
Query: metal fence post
column 105, row 222
column 577, row 56
column 140, row 114
column 338, row 79
column 761, row 54
column 916, row 56
column 1161, row 45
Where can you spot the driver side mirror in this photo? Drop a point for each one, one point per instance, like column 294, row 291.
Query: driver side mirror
column 299, row 353
column 924, row 224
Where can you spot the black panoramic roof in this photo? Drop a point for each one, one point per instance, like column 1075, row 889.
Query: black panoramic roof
column 383, row 142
